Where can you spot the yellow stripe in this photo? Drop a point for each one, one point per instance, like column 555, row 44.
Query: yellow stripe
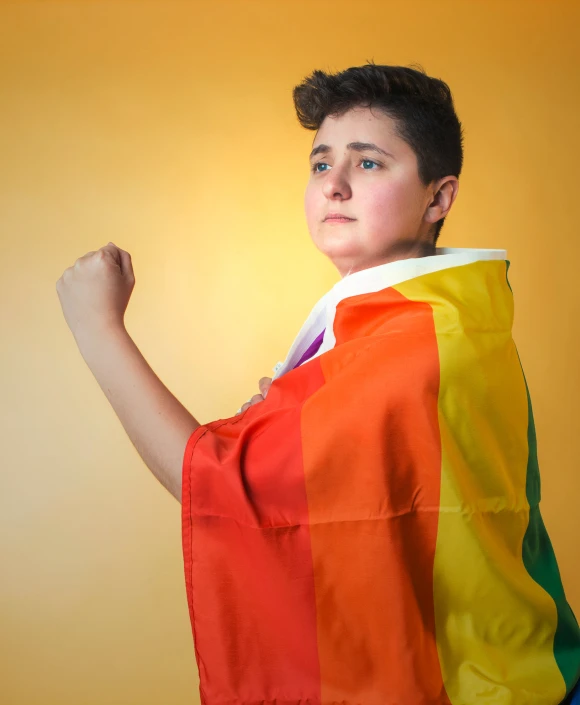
column 494, row 624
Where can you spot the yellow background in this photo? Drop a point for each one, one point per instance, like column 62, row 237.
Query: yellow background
column 169, row 128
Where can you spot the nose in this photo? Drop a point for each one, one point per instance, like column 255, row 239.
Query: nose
column 336, row 184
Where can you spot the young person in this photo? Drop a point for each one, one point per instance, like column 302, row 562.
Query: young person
column 370, row 531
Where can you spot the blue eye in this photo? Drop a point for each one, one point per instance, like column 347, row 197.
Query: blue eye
column 314, row 169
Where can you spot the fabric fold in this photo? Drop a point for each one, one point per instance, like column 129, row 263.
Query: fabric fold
column 370, row 533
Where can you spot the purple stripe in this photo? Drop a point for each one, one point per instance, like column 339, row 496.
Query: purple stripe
column 311, row 350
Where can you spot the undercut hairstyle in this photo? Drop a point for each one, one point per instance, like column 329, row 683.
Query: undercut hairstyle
column 420, row 106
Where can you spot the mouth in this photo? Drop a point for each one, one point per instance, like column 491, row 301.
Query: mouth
column 338, row 219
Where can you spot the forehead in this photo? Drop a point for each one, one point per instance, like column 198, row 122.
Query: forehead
column 358, row 124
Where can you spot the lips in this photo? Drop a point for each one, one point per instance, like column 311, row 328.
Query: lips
column 338, row 217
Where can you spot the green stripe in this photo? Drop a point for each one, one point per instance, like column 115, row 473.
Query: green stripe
column 540, row 561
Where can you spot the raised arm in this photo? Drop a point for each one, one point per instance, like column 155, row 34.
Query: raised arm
column 158, row 425
column 94, row 294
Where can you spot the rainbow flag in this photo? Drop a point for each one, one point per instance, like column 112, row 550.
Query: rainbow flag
column 370, row 533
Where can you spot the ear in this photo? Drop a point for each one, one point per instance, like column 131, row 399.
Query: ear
column 444, row 192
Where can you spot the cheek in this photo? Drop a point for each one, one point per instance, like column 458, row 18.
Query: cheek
column 311, row 205
column 308, row 198
column 388, row 205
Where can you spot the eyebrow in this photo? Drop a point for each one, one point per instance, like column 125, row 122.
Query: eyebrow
column 356, row 146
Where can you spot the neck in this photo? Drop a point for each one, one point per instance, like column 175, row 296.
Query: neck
column 396, row 252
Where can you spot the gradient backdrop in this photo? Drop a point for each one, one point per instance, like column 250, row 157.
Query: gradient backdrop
column 169, row 128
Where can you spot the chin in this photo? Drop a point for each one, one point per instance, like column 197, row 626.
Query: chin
column 339, row 242
column 338, row 250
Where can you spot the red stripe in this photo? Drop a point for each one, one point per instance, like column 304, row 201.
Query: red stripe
column 247, row 553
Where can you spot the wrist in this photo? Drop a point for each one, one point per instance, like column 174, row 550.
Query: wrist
column 89, row 334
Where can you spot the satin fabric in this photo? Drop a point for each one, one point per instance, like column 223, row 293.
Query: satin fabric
column 370, row 533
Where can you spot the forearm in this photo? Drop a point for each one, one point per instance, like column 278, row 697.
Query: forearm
column 158, row 425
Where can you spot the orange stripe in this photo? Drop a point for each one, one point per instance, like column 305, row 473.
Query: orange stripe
column 373, row 530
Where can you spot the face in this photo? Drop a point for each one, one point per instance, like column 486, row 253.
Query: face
column 391, row 211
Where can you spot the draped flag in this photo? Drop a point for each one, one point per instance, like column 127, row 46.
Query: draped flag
column 370, row 533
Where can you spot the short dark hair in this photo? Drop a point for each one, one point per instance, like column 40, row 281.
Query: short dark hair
column 420, row 105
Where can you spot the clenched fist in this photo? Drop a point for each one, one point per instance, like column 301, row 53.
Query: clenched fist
column 264, row 386
column 95, row 291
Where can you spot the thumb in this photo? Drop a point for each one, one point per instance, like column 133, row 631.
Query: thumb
column 264, row 385
column 124, row 262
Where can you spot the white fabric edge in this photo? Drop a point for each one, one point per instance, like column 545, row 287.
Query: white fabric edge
column 370, row 280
